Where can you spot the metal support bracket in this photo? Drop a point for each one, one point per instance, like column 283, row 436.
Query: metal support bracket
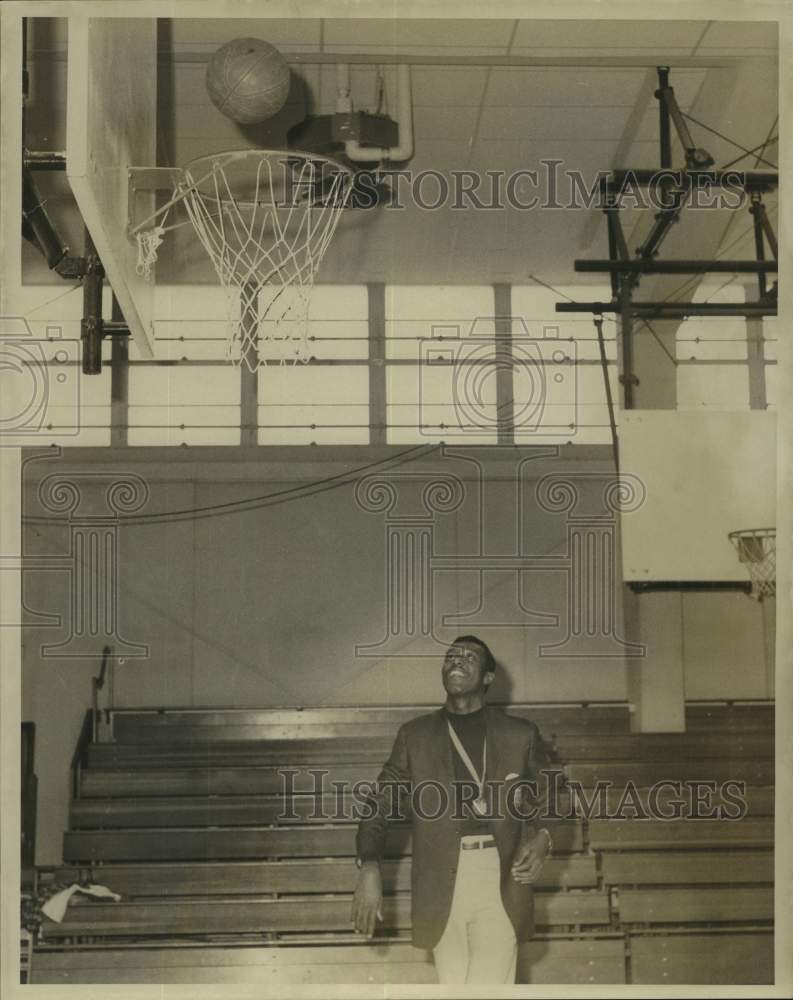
column 696, row 158
column 142, row 184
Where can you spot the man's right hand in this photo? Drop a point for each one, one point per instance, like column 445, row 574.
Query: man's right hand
column 368, row 899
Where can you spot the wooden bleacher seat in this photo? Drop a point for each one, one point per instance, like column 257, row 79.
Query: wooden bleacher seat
column 180, row 844
column 610, row 835
column 698, row 905
column 212, row 725
column 686, row 868
column 261, row 810
column 251, row 915
column 181, row 815
column 588, row 958
column 690, row 959
column 730, row 718
column 659, row 746
column 575, row 871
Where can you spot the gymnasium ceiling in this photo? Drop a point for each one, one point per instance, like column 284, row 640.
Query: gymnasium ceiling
column 594, row 109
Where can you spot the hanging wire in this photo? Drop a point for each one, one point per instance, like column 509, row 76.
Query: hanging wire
column 751, row 152
column 56, row 298
column 732, row 142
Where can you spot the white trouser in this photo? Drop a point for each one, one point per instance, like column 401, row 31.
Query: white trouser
column 478, row 944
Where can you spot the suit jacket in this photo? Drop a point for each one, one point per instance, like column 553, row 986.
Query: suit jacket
column 423, row 752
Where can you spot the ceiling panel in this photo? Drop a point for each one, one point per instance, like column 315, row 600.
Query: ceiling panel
column 555, row 87
column 440, row 154
column 607, row 34
column 596, row 154
column 435, row 33
column 686, row 84
column 421, row 51
column 573, row 123
column 445, row 123
column 448, row 87
column 431, row 86
column 738, row 36
column 198, row 34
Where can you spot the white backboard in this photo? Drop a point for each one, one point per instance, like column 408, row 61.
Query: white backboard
column 706, row 474
column 111, row 126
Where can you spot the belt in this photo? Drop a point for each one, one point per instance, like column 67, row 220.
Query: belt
column 479, row 844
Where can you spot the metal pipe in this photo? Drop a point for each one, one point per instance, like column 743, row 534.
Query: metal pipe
column 672, row 310
column 664, row 130
column 91, row 326
column 751, row 180
column 664, row 221
column 44, row 160
column 343, row 99
column 653, row 266
column 627, row 376
column 611, row 221
column 39, row 225
column 770, row 235
column 313, row 58
column 404, row 150
column 757, row 210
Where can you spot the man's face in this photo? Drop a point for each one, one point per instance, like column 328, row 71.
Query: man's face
column 463, row 670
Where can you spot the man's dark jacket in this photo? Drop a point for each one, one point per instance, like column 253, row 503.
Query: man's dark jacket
column 422, row 752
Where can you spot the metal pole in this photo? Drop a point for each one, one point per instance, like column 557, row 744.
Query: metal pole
column 673, row 310
column 91, row 327
column 627, row 376
column 664, row 130
column 613, row 256
column 756, row 209
column 748, row 180
column 653, row 266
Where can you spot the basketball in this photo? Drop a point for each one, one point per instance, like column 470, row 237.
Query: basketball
column 248, row 80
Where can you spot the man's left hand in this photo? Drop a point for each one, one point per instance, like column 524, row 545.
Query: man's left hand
column 529, row 859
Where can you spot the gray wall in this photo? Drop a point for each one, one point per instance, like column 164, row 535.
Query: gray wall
column 265, row 606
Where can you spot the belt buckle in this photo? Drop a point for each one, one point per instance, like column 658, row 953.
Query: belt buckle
column 478, row 845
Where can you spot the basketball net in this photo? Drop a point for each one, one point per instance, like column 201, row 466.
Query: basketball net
column 265, row 219
column 756, row 548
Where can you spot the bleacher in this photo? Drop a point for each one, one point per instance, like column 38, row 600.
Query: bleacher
column 178, row 811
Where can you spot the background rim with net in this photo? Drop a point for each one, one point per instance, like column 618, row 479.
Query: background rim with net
column 756, row 547
column 265, row 219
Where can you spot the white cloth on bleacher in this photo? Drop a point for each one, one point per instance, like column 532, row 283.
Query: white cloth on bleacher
column 55, row 907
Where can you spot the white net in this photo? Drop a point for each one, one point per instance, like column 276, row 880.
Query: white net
column 266, row 218
column 756, row 548
column 148, row 244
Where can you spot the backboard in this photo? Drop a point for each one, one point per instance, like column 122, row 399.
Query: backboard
column 705, row 474
column 111, row 126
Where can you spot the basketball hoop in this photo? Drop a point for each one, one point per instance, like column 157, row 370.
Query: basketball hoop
column 756, row 547
column 265, row 219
